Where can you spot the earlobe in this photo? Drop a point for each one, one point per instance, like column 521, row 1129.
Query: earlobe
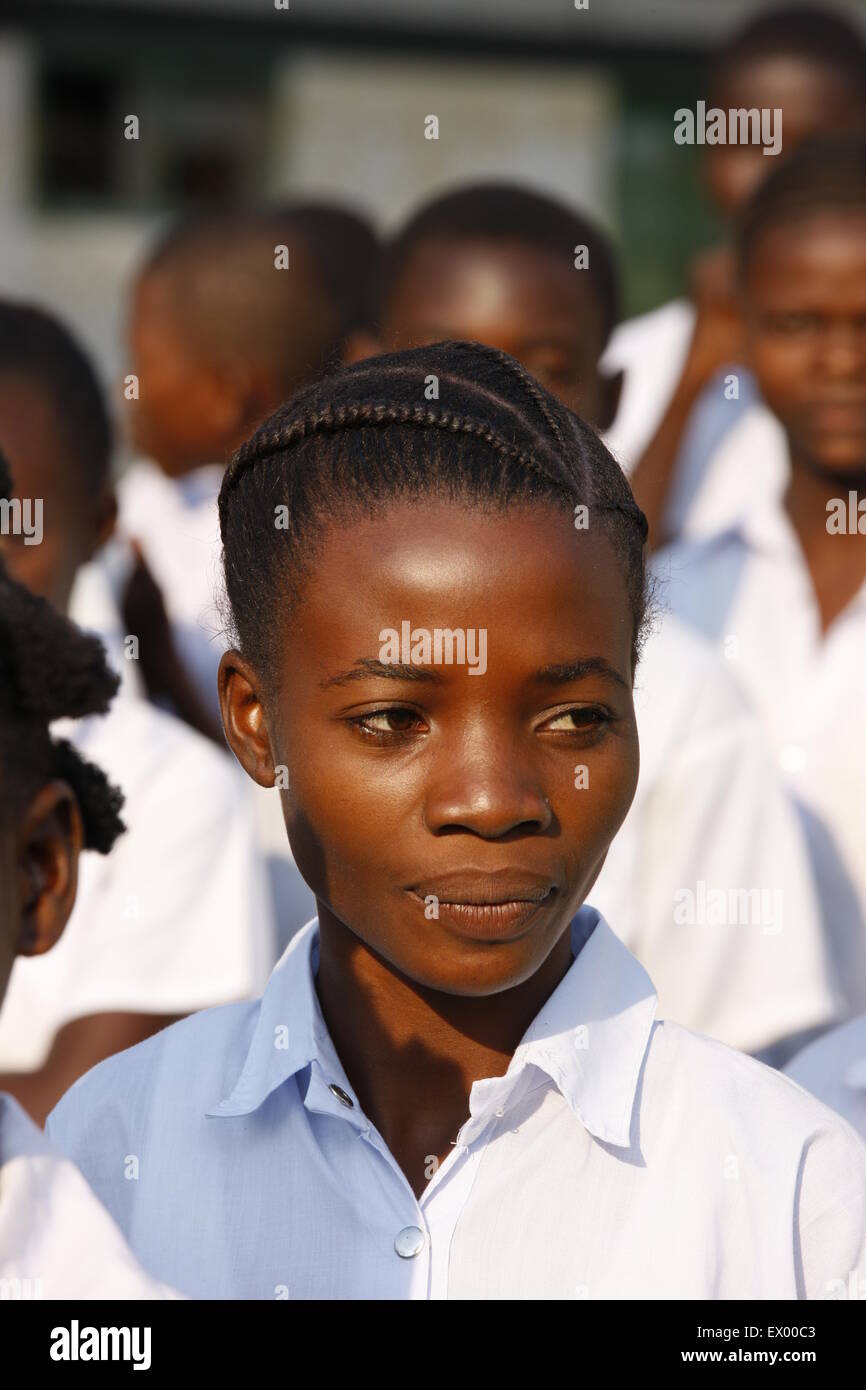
column 50, row 839
column 243, row 717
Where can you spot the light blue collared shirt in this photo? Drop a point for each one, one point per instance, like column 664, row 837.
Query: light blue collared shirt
column 234, row 1154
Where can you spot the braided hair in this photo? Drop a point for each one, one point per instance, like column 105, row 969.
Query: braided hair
column 370, row 434
column 49, row 670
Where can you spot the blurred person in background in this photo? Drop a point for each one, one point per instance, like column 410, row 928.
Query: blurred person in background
column 178, row 918
column 495, row 263
column 230, row 314
column 785, row 586
column 56, row 1241
column 678, row 406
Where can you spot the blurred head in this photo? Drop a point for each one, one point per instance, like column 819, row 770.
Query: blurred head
column 55, row 434
column 418, row 774
column 808, row 62
column 498, row 264
column 802, row 254
column 52, row 802
column 222, row 330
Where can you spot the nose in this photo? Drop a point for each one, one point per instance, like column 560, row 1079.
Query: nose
column 486, row 787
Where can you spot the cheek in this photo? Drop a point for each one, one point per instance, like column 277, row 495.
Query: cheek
column 782, row 368
column 594, row 788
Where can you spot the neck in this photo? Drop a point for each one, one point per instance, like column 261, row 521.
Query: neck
column 413, row 1053
column 810, row 489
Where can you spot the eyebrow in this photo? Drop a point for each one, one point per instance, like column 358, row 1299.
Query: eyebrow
column 576, row 670
column 366, row 667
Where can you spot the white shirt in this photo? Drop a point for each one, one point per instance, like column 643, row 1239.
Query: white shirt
column 56, row 1241
column 177, row 523
column 650, row 350
column 710, row 810
column 711, row 481
column 617, row 1157
column 834, row 1070
column 750, row 592
column 177, row 917
column 750, row 463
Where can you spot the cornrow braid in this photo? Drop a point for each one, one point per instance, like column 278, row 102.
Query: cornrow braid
column 50, row 670
column 375, row 432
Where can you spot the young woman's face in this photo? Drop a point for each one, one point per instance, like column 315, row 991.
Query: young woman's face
column 455, row 816
column 806, row 315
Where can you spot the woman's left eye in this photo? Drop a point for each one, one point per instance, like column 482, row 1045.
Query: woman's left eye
column 381, row 723
column 578, row 720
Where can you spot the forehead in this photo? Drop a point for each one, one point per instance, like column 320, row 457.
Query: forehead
column 469, row 277
column 544, row 591
column 813, row 93
column 825, row 248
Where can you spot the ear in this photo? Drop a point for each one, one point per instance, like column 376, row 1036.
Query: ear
column 609, row 397
column 243, row 717
column 360, row 344
column 49, row 840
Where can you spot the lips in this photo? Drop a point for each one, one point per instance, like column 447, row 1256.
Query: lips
column 484, row 905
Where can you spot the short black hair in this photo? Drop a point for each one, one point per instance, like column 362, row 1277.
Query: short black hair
column 36, row 345
column 825, row 174
column 50, row 669
column 368, row 435
column 231, row 299
column 820, row 36
column 346, row 249
column 503, row 212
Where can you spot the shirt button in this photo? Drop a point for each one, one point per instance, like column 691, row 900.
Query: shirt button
column 410, row 1241
column 341, row 1095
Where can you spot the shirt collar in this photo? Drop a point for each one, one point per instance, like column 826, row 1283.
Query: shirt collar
column 19, row 1136
column 590, row 1037
column 765, row 526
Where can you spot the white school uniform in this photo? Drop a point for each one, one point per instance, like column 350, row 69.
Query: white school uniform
column 177, row 522
column 650, row 350
column 750, row 464
column 178, row 916
column 749, row 591
column 710, row 810
column 834, row 1069
column 56, row 1241
column 617, row 1157
column 709, row 484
